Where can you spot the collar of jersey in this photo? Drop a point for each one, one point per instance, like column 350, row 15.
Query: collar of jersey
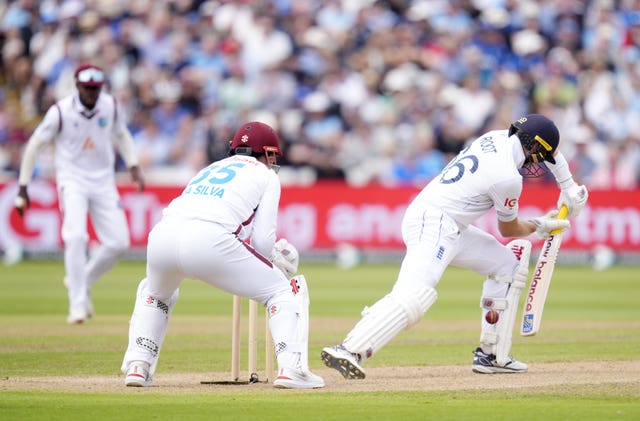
column 82, row 110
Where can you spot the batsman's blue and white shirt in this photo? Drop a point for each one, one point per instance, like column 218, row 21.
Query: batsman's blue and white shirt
column 483, row 175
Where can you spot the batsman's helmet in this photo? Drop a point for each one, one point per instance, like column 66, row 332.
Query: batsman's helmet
column 255, row 138
column 536, row 129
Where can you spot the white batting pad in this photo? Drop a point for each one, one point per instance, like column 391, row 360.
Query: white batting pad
column 496, row 339
column 386, row 318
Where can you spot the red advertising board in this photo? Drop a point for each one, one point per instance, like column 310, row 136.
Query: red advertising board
column 327, row 214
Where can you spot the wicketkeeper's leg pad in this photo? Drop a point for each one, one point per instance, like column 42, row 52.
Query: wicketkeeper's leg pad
column 388, row 317
column 496, row 339
column 148, row 327
column 301, row 292
column 286, row 327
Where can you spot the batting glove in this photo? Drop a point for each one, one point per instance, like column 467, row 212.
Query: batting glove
column 285, row 257
column 574, row 198
column 549, row 222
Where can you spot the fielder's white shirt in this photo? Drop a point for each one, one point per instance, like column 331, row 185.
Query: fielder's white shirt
column 240, row 193
column 84, row 139
column 482, row 176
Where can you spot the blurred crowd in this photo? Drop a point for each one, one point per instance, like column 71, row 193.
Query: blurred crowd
column 367, row 91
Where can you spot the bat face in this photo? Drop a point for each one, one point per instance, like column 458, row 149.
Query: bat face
column 540, row 281
column 542, row 269
column 534, row 301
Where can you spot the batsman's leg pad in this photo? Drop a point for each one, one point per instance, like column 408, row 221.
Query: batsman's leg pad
column 496, row 339
column 148, row 327
column 388, row 317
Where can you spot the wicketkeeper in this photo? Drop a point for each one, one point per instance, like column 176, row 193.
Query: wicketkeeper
column 437, row 232
column 204, row 234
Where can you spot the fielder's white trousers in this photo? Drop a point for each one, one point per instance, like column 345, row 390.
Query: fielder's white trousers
column 180, row 248
column 102, row 203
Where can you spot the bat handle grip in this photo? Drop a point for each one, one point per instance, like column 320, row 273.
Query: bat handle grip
column 562, row 214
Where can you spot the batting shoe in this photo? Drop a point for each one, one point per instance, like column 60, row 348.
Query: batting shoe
column 297, row 379
column 138, row 375
column 487, row 364
column 345, row 362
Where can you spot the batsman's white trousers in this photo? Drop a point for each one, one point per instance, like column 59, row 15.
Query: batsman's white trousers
column 180, row 248
column 434, row 241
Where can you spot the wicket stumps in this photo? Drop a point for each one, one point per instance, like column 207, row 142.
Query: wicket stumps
column 252, row 346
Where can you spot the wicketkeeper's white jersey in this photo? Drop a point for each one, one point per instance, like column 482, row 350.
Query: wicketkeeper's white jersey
column 84, row 139
column 482, row 176
column 240, row 193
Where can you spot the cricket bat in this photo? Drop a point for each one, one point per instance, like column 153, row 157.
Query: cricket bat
column 540, row 281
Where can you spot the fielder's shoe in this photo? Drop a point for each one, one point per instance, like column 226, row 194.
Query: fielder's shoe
column 487, row 364
column 89, row 303
column 77, row 316
column 137, row 375
column 89, row 306
column 297, row 379
column 344, row 361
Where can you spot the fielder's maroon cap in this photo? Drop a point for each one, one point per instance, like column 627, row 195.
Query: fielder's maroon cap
column 89, row 75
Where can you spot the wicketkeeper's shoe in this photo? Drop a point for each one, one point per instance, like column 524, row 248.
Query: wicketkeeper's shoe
column 487, row 364
column 77, row 316
column 344, row 361
column 297, row 379
column 137, row 375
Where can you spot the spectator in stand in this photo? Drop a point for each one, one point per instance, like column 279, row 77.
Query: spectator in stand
column 572, row 58
column 419, row 162
column 583, row 162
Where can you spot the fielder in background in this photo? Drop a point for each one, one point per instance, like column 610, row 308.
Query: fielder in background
column 84, row 127
column 204, row 234
column 437, row 233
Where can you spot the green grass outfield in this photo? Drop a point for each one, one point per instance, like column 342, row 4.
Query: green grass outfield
column 590, row 316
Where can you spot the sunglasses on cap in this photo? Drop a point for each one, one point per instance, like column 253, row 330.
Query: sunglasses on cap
column 90, row 75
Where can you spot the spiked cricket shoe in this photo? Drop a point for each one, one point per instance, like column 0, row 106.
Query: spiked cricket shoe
column 345, row 362
column 487, row 364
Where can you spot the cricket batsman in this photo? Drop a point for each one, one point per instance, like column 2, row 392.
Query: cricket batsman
column 437, row 232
